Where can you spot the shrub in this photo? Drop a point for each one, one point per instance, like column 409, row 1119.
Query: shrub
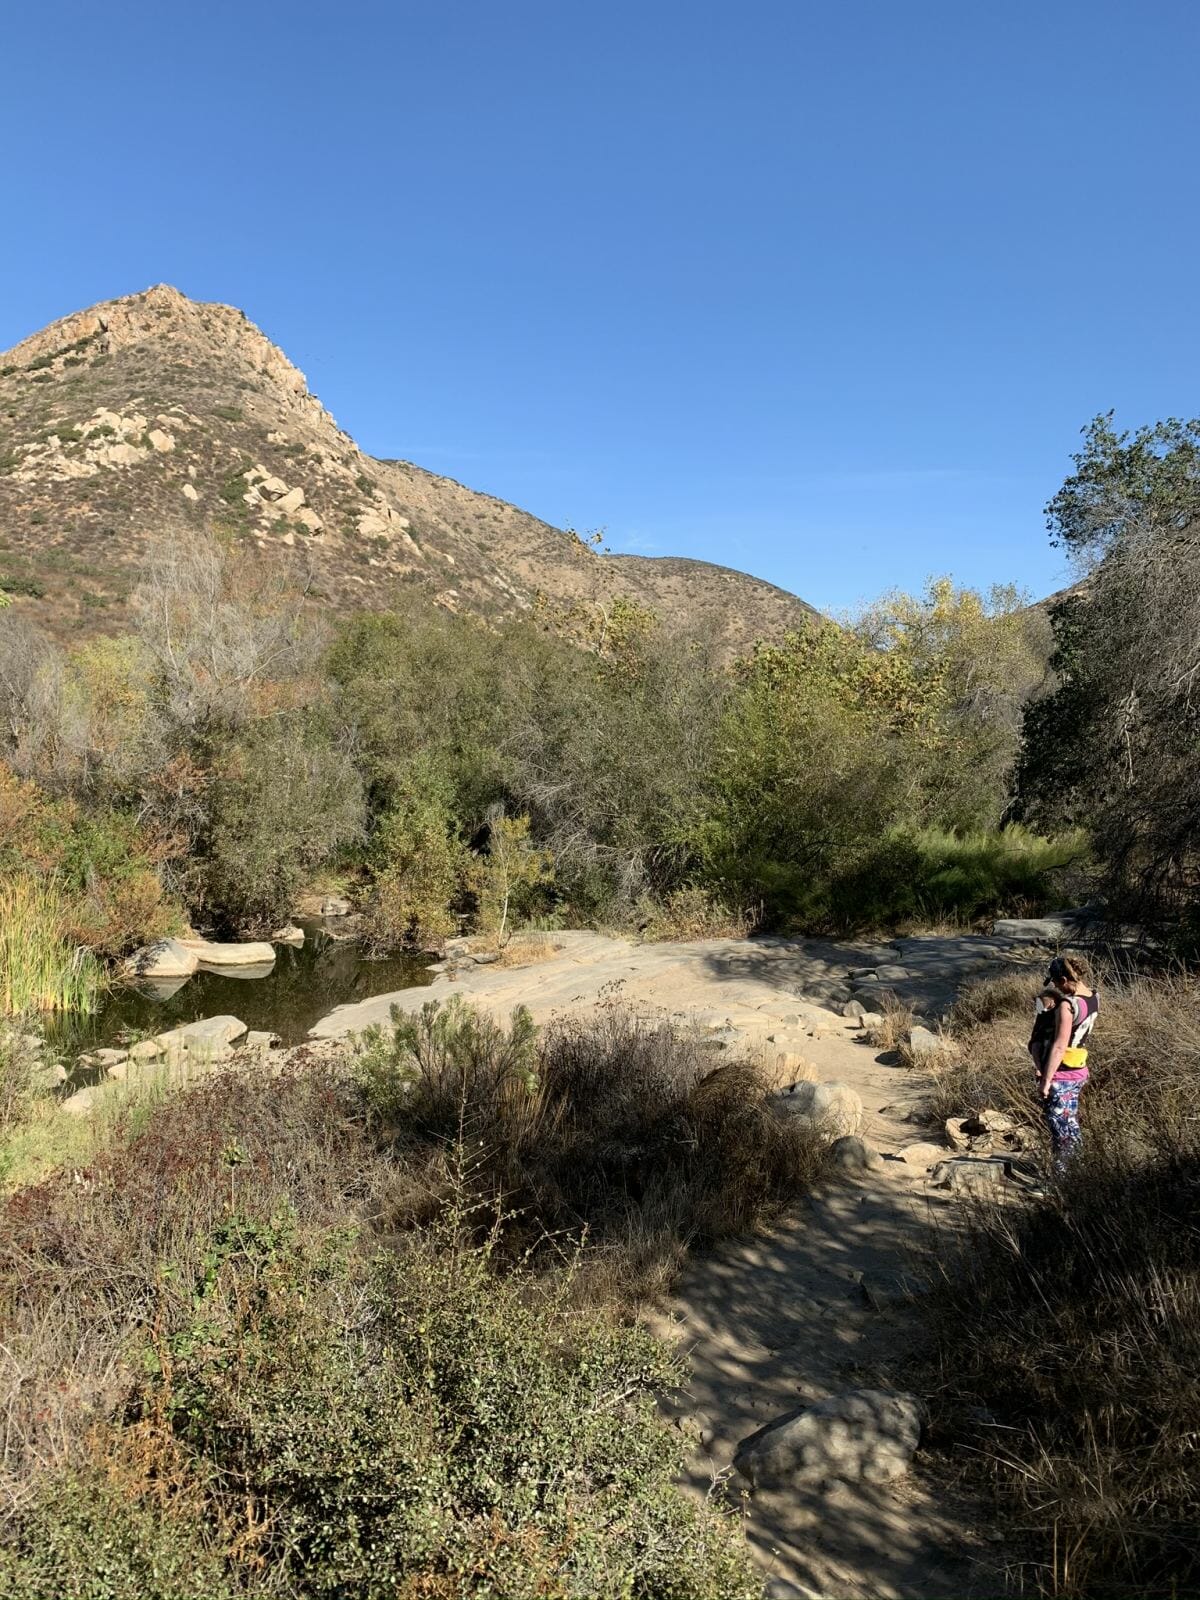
column 423, row 1425
column 616, row 1127
column 420, row 864
column 87, row 1537
column 931, row 874
column 206, row 1350
column 693, row 912
column 26, row 586
column 507, row 878
column 283, row 804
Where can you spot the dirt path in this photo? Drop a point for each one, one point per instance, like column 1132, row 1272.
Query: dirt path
column 817, row 1305
column 814, row 1307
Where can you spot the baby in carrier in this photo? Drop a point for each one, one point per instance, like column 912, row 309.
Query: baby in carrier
column 1065, row 1013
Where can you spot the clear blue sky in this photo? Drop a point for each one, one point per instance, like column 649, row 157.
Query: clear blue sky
column 822, row 291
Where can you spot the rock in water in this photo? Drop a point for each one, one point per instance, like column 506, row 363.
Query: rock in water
column 252, row 953
column 865, row 1435
column 167, row 958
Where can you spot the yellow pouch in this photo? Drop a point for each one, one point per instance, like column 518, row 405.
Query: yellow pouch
column 1074, row 1059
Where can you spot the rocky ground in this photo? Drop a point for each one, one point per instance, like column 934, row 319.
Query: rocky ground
column 816, row 1313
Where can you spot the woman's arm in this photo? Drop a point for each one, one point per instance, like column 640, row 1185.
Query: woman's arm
column 1062, row 1037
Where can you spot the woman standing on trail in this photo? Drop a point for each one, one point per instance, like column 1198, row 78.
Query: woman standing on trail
column 1066, row 1014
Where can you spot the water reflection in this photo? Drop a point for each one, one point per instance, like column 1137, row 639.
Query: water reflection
column 286, row 998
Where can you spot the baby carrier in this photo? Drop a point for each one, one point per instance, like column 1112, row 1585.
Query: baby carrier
column 1045, row 1024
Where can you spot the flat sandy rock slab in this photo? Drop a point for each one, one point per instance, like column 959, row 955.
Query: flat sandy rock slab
column 865, row 1435
column 210, row 953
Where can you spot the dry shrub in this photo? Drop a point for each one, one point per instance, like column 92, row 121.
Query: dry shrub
column 1067, row 1333
column 891, row 1032
column 1004, row 995
column 611, row 1125
column 87, row 1258
column 696, row 913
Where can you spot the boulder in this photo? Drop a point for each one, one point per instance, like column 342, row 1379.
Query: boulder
column 288, row 934
column 852, row 1154
column 161, row 441
column 103, row 1058
column 145, row 1050
column 209, row 1039
column 289, row 502
column 924, row 1154
column 956, row 1133
column 865, row 1435
column 998, row 1122
column 854, row 1008
column 830, row 1105
column 924, row 1045
column 249, row 953
column 976, row 1175
column 871, row 1019
column 166, row 958
column 892, row 974
column 189, row 491
column 81, row 1102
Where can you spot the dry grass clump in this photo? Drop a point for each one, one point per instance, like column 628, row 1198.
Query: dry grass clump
column 693, row 912
column 521, row 950
column 1004, row 995
column 891, row 1032
column 1067, row 1333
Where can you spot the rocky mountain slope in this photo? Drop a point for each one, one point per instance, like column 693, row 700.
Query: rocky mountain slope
column 150, row 418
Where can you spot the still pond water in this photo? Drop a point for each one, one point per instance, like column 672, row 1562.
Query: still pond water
column 303, row 986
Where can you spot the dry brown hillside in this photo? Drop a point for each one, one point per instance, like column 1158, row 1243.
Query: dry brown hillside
column 153, row 417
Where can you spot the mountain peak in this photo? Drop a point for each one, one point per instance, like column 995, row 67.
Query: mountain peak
column 155, row 418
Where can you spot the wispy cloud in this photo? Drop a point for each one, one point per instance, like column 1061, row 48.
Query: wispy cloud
column 632, row 544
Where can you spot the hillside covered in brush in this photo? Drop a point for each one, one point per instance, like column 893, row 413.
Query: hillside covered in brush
column 152, row 419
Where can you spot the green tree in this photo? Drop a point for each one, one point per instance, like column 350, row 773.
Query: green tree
column 1118, row 743
column 508, row 874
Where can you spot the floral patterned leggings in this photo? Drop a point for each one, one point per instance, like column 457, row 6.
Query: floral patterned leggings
column 1061, row 1109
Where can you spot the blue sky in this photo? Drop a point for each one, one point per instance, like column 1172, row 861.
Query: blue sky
column 821, row 291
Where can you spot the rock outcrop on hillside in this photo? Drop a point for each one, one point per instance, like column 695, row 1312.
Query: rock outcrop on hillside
column 149, row 418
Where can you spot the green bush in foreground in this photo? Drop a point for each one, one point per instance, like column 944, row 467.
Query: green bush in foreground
column 311, row 1336
column 410, row 1425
